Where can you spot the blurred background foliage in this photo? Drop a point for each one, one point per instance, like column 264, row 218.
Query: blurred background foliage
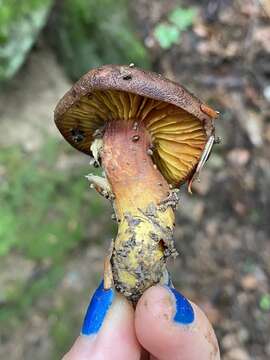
column 56, row 198
column 112, row 35
column 20, row 23
column 54, row 231
column 107, row 22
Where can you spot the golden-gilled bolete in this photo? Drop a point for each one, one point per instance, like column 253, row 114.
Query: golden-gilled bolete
column 150, row 135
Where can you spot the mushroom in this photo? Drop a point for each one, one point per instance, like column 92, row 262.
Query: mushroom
column 150, row 135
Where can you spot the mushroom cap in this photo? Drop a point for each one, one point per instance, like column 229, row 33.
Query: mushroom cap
column 179, row 123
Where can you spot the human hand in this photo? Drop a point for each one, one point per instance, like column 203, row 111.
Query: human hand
column 164, row 323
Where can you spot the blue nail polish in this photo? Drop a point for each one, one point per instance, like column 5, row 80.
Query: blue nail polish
column 184, row 313
column 97, row 310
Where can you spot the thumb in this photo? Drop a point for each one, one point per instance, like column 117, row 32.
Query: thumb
column 172, row 328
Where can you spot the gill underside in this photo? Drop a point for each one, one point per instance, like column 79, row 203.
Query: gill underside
column 178, row 137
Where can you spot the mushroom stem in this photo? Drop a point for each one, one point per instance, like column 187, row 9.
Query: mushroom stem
column 145, row 233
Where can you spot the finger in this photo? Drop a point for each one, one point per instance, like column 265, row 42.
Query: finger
column 107, row 331
column 172, row 328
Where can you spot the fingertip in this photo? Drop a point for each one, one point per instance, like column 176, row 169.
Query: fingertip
column 108, row 329
column 168, row 326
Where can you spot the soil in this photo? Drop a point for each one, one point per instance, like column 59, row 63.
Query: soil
column 223, row 229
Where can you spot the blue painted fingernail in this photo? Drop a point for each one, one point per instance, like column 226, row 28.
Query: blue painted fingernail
column 97, row 310
column 184, row 313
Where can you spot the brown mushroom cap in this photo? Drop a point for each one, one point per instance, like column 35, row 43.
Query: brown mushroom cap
column 179, row 124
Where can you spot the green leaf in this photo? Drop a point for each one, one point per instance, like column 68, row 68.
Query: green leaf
column 265, row 302
column 166, row 35
column 183, row 18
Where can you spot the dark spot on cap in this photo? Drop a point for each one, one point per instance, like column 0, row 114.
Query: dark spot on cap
column 127, row 77
column 77, row 135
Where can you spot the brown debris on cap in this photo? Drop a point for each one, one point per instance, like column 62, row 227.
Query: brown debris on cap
column 178, row 122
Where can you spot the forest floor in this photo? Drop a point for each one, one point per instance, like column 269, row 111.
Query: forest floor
column 223, row 230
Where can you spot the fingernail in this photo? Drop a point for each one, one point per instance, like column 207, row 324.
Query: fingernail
column 97, row 310
column 184, row 313
column 166, row 279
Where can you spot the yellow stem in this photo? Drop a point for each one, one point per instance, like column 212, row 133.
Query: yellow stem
column 146, row 220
